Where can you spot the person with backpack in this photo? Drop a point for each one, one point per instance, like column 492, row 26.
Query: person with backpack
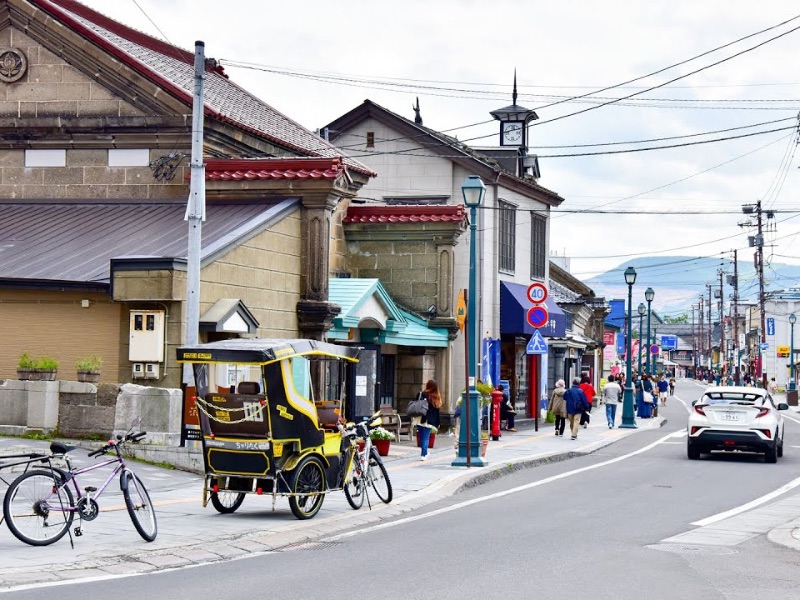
column 577, row 404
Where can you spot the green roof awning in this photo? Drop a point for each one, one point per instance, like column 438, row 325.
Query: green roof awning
column 367, row 306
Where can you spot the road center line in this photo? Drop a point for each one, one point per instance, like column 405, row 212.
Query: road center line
column 745, row 507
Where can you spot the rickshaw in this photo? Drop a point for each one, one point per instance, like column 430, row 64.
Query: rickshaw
column 270, row 413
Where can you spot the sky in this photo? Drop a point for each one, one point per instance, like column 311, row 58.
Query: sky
column 317, row 60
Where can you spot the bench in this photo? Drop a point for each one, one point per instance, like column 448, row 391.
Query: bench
column 391, row 421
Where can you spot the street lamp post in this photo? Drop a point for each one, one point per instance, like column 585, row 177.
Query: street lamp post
column 628, row 418
column 655, row 343
column 649, row 294
column 469, row 441
column 641, row 310
column 792, row 321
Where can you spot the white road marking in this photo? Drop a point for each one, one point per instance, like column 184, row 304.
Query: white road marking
column 515, row 490
column 747, row 506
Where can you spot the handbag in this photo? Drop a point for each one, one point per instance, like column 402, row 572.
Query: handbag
column 417, row 407
column 647, row 397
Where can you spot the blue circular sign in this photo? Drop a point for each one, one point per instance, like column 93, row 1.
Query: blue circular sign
column 537, row 316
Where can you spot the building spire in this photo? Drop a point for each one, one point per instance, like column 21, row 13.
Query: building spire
column 514, row 94
column 417, row 115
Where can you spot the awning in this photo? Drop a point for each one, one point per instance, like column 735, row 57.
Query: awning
column 514, row 305
column 367, row 306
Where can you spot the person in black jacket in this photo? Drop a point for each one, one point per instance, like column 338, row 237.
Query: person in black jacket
column 507, row 410
column 576, row 405
column 430, row 422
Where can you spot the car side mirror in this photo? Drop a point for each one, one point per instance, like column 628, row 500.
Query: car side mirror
column 695, row 402
column 783, row 406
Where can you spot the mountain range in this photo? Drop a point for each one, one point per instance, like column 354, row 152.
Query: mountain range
column 679, row 281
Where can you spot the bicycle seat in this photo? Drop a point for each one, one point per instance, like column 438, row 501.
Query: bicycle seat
column 61, row 448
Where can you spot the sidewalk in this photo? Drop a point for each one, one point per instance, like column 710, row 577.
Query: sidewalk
column 189, row 534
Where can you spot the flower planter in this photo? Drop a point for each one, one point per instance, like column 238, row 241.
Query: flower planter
column 23, row 374
column 484, row 445
column 382, row 446
column 88, row 376
column 431, row 440
column 43, row 375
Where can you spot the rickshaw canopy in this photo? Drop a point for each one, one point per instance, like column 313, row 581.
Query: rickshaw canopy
column 261, row 351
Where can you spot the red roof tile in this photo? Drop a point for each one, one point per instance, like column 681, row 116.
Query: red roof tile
column 173, row 69
column 273, row 168
column 405, row 214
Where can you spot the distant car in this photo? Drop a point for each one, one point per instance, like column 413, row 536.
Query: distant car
column 733, row 418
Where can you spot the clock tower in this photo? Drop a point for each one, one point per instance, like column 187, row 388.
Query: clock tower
column 514, row 121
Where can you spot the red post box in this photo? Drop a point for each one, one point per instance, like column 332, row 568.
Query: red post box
column 497, row 400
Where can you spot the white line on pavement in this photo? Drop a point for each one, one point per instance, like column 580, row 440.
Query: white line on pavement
column 515, row 490
column 747, row 506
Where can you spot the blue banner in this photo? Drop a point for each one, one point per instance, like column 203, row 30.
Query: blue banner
column 621, row 347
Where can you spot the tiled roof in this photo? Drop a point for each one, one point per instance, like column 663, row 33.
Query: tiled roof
column 173, row 68
column 273, row 168
column 405, row 214
column 76, row 241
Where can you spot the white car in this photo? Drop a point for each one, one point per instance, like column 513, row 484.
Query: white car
column 736, row 418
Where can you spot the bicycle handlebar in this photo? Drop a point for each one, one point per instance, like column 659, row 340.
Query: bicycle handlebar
column 129, row 437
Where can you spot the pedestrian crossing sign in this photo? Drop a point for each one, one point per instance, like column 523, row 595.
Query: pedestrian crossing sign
column 536, row 345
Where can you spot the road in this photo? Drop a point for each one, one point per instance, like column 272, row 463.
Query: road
column 595, row 526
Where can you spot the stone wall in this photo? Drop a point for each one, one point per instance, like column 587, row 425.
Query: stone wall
column 85, row 409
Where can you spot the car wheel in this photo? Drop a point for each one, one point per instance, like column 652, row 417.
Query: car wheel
column 692, row 452
column 780, row 449
column 771, row 455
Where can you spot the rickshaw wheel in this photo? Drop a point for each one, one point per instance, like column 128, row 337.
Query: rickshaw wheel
column 226, row 502
column 308, row 485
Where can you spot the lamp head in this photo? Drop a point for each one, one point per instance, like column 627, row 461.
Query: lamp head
column 642, row 309
column 792, row 319
column 649, row 294
column 473, row 190
column 630, row 275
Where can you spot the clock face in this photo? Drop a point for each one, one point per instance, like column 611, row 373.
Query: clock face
column 512, row 134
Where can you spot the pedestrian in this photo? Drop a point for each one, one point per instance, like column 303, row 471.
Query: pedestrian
column 558, row 407
column 431, row 420
column 663, row 388
column 611, row 394
column 577, row 404
column 507, row 410
column 672, row 386
column 772, row 387
column 645, row 409
column 590, row 393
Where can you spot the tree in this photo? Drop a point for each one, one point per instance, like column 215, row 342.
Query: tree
column 684, row 318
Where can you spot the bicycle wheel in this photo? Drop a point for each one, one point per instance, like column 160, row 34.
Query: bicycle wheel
column 37, row 510
column 308, row 487
column 226, row 502
column 378, row 478
column 354, row 483
column 139, row 506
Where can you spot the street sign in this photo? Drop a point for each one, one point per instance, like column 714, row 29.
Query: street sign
column 655, row 349
column 537, row 316
column 536, row 345
column 669, row 342
column 537, row 292
column 770, row 326
column 461, row 310
column 783, row 350
column 764, row 346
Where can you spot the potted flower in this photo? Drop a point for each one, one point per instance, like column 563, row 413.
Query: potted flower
column 25, row 366
column 88, row 368
column 484, row 442
column 381, row 439
column 46, row 368
column 432, row 439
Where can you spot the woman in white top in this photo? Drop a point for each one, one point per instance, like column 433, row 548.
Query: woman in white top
column 611, row 394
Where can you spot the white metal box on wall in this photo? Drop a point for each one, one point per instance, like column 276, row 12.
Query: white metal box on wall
column 146, row 336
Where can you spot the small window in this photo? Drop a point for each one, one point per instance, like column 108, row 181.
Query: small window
column 138, row 323
column 151, row 322
column 507, row 240
column 370, row 139
column 128, row 157
column 46, row 158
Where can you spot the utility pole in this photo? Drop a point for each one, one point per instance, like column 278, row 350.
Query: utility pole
column 694, row 345
column 700, row 330
column 760, row 268
column 710, row 330
column 723, row 355
column 736, row 315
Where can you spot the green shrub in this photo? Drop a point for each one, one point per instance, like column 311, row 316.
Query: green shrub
column 89, row 364
column 46, row 363
column 26, row 362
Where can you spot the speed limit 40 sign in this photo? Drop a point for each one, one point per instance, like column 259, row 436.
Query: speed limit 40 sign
column 537, row 292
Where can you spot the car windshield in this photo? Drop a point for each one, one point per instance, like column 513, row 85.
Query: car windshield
column 737, row 401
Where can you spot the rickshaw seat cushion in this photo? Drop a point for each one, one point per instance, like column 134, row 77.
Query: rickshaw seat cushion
column 248, row 387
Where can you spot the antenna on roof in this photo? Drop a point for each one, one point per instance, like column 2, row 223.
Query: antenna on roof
column 417, row 116
column 514, row 93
